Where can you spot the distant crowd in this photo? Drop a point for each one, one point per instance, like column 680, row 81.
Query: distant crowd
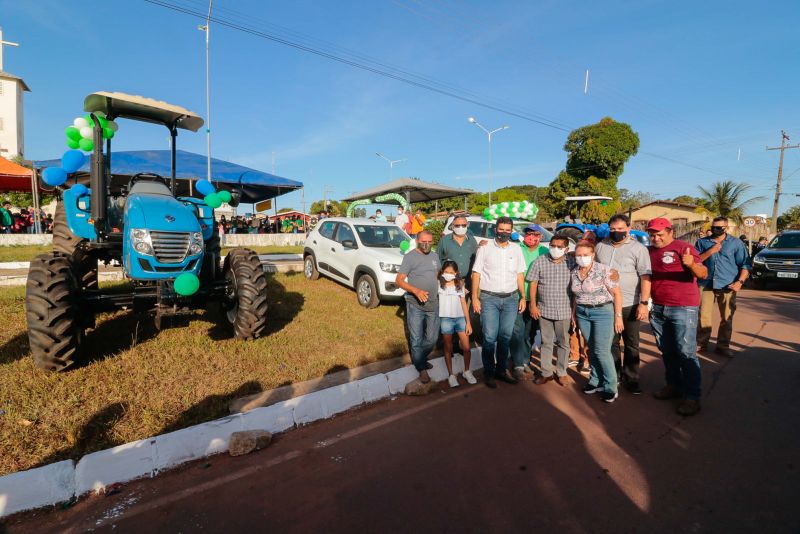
column 241, row 224
column 21, row 220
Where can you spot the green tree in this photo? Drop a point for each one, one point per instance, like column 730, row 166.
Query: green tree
column 726, row 199
column 596, row 157
column 789, row 219
column 284, row 210
column 630, row 200
column 688, row 199
column 335, row 207
column 23, row 200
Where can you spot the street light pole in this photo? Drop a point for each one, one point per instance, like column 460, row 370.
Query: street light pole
column 391, row 162
column 207, row 29
column 489, row 136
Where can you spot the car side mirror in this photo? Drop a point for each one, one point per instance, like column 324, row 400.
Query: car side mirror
column 349, row 243
column 236, row 196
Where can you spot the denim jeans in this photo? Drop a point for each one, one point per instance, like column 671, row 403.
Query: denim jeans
column 597, row 327
column 498, row 315
column 423, row 331
column 675, row 330
column 525, row 328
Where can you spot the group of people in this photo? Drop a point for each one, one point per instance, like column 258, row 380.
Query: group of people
column 22, row 221
column 600, row 293
column 240, row 224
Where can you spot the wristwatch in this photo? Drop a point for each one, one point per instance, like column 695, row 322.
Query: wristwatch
column 645, row 303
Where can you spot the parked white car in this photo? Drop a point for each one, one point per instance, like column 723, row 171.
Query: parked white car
column 360, row 253
column 483, row 230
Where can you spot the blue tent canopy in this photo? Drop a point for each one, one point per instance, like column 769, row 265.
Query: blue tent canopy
column 255, row 185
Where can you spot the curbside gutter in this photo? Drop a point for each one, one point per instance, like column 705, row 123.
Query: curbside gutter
column 65, row 480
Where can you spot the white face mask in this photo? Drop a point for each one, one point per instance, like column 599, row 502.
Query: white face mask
column 557, row 253
column 448, row 277
column 460, row 231
column 583, row 261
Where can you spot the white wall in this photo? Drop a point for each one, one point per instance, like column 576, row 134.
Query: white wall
column 11, row 136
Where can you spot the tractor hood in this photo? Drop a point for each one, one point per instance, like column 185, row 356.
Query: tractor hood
column 161, row 213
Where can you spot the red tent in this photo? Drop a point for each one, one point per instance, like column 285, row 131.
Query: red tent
column 14, row 177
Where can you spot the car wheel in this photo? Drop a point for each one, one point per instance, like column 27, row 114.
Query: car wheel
column 367, row 292
column 310, row 268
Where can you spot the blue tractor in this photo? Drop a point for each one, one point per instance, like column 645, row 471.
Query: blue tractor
column 154, row 234
column 575, row 229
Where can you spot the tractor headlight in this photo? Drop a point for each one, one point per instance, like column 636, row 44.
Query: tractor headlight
column 141, row 241
column 389, row 267
column 197, row 236
column 196, row 246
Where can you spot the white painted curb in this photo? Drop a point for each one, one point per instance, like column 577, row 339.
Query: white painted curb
column 62, row 481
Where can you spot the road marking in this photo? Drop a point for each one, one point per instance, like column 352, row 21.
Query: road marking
column 247, row 471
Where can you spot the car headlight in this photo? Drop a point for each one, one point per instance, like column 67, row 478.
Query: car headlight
column 389, row 267
column 759, row 260
column 141, row 241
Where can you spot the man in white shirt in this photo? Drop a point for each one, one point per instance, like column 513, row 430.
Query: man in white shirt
column 402, row 219
column 498, row 295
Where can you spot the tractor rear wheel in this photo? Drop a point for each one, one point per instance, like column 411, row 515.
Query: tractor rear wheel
column 52, row 308
column 66, row 242
column 245, row 307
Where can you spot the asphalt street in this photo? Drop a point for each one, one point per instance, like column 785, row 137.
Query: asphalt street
column 517, row 459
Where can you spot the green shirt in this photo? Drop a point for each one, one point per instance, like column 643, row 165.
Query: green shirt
column 531, row 256
column 463, row 255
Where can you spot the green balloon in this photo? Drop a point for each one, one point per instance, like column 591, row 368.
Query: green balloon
column 187, row 284
column 108, row 133
column 103, row 122
column 404, row 244
column 224, row 195
column 86, row 145
column 73, row 133
column 73, row 143
column 88, row 118
column 213, row 200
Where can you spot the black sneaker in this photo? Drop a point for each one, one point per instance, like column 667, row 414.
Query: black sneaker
column 609, row 397
column 428, row 365
column 589, row 389
column 633, row 388
column 490, row 382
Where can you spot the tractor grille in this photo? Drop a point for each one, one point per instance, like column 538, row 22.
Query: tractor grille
column 170, row 247
column 786, row 265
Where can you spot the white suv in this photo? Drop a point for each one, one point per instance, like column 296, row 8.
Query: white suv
column 360, row 253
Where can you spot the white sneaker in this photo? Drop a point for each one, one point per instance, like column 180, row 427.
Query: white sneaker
column 469, row 377
column 453, row 381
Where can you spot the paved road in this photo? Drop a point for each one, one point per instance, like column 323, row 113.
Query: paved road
column 519, row 459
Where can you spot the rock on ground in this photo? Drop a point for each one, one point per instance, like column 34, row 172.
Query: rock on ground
column 417, row 388
column 247, row 441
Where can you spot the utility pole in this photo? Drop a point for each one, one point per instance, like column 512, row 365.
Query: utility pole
column 325, row 191
column 773, row 225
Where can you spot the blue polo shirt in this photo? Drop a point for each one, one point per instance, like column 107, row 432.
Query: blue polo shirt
column 724, row 266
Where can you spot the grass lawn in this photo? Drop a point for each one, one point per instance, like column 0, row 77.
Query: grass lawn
column 141, row 382
column 28, row 252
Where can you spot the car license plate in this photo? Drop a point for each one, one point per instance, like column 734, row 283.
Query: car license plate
column 787, row 275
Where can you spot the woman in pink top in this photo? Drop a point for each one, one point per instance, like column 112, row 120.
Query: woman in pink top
column 597, row 310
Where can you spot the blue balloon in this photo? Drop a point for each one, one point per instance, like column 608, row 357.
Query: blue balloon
column 515, row 236
column 79, row 190
column 54, row 176
column 72, row 160
column 205, row 188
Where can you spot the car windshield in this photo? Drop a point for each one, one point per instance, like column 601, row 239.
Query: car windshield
column 519, row 226
column 786, row 241
column 384, row 236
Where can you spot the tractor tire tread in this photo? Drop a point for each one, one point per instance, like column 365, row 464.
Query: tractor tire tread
column 251, row 316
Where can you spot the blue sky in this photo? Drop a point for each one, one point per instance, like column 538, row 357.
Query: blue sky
column 697, row 80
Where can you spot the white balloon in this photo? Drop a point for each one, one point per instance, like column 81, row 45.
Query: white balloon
column 113, row 125
column 86, row 132
column 80, row 122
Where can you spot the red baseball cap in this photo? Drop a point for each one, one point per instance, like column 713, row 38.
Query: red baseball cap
column 658, row 224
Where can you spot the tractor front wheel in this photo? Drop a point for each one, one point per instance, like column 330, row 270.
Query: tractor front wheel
column 52, row 308
column 245, row 306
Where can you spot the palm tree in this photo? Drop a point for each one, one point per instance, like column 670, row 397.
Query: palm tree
column 725, row 199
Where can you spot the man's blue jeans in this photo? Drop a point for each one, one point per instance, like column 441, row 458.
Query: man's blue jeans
column 498, row 315
column 675, row 330
column 423, row 331
column 597, row 327
column 525, row 328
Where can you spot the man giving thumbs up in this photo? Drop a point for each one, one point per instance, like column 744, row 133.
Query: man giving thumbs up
column 676, row 267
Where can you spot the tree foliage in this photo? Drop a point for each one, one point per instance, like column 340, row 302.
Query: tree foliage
column 596, row 157
column 284, row 210
column 24, row 200
column 689, row 199
column 789, row 219
column 630, row 200
column 335, row 207
column 726, row 199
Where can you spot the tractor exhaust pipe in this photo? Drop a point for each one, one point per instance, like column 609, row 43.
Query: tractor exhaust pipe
column 98, row 182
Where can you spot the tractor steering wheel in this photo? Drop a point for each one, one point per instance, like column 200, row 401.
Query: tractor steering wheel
column 148, row 175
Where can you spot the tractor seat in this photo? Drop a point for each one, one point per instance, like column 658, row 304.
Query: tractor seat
column 149, row 188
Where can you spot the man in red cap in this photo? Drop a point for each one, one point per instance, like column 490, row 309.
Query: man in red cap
column 676, row 267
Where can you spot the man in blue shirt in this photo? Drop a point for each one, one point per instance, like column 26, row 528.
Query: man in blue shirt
column 728, row 263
